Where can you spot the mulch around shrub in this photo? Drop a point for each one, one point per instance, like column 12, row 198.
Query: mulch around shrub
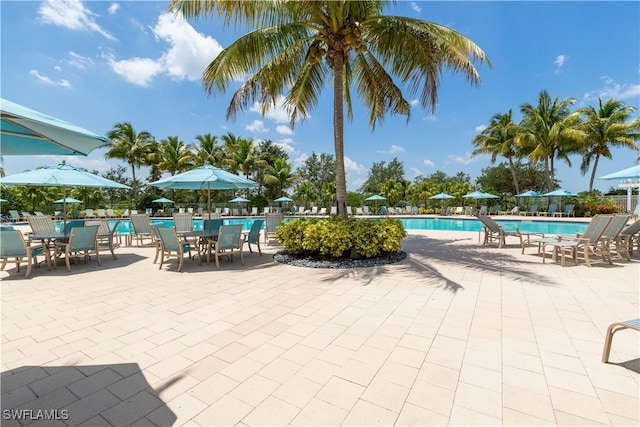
column 284, row 257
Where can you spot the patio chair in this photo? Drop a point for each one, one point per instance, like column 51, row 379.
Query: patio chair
column 447, row 211
column 314, row 210
column 141, row 228
column 459, row 210
column 71, row 224
column 88, row 213
column 533, row 210
column 254, row 210
column 495, row 209
column 636, row 212
column 15, row 215
column 323, row 211
column 414, row 210
column 229, row 242
column 183, row 222
column 101, row 213
column 106, row 235
column 14, row 247
column 171, row 246
column 272, row 222
column 567, row 211
column 572, row 244
column 111, row 213
column 334, row 210
column 265, row 210
column 82, row 242
column 609, row 236
column 253, row 235
column 513, row 211
column 495, row 232
column 38, row 213
column 625, row 240
column 157, row 240
column 612, row 329
column 468, row 210
column 42, row 225
column 482, row 210
column 359, row 211
column 551, row 210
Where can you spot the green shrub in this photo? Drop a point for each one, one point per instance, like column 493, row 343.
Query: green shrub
column 337, row 238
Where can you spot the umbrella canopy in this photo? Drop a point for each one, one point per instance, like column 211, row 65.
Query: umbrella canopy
column 68, row 200
column 162, row 200
column 629, row 173
column 61, row 175
column 205, row 178
column 283, row 199
column 29, row 132
column 560, row 193
column 480, row 195
column 530, row 193
column 376, row 197
column 239, row 200
column 442, row 196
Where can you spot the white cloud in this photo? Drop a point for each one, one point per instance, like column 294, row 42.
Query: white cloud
column 613, row 90
column 70, row 14
column 286, row 144
column 395, row 149
column 284, row 130
column 49, row 81
column 416, row 8
column 416, row 172
column 113, row 8
column 353, row 167
column 414, row 102
column 190, row 51
column 465, row 159
column 428, row 163
column 187, row 55
column 560, row 61
column 277, row 113
column 257, row 126
column 480, row 128
column 79, row 61
column 139, row 71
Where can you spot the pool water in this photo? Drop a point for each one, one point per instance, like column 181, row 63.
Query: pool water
column 452, row 224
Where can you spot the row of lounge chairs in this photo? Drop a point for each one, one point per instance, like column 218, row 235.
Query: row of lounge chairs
column 569, row 210
column 604, row 235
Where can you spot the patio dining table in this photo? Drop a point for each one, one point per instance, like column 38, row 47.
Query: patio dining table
column 200, row 238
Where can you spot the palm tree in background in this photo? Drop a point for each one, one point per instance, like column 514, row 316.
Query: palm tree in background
column 498, row 139
column 280, row 176
column 296, row 48
column 550, row 130
column 208, row 152
column 607, row 127
column 174, row 155
column 241, row 156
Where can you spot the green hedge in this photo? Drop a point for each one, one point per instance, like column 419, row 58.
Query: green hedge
column 338, row 238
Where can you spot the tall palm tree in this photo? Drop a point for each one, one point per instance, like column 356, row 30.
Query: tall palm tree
column 174, row 155
column 208, row 152
column 498, row 139
column 280, row 176
column 550, row 130
column 128, row 145
column 607, row 127
column 297, row 47
column 241, row 156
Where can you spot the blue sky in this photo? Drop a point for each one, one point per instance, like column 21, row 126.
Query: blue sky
column 98, row 63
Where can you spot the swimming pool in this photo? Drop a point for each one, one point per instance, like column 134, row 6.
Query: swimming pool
column 429, row 223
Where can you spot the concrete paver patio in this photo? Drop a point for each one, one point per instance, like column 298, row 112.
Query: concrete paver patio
column 456, row 334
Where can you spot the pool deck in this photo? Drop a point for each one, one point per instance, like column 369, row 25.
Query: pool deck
column 456, row 334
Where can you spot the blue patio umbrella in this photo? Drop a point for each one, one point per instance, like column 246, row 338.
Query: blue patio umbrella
column 205, row 178
column 60, row 175
column 162, row 200
column 442, row 197
column 559, row 193
column 28, row 132
column 480, row 195
column 629, row 173
column 530, row 193
column 239, row 200
column 68, row 200
column 376, row 197
column 283, row 199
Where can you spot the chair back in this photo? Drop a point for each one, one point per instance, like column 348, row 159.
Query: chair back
column 212, row 225
column 72, row 224
column 230, row 237
column 254, row 210
column 6, row 227
column 141, row 223
column 627, row 231
column 482, row 210
column 89, row 213
column 533, row 209
column 41, row 224
column 14, row 214
column 596, row 227
column 254, row 232
column 490, row 223
column 12, row 244
column 568, row 209
column 553, row 208
column 636, row 211
column 447, row 210
column 183, row 222
column 169, row 238
column 83, row 238
column 615, row 226
column 272, row 221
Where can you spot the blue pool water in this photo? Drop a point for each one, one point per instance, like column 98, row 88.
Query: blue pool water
column 453, row 224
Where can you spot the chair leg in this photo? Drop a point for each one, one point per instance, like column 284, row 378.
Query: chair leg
column 29, row 264
column 612, row 329
column 180, row 261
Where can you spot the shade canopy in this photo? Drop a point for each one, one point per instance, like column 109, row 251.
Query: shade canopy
column 283, row 199
column 480, row 195
column 629, row 173
column 530, row 193
column 442, row 196
column 239, row 200
column 205, row 178
column 376, row 197
column 68, row 200
column 60, row 175
column 29, row 132
column 560, row 193
column 162, row 200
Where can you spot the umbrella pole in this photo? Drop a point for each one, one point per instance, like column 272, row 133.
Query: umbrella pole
column 64, row 210
column 209, row 198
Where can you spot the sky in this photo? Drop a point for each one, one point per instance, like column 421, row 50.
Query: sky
column 99, row 63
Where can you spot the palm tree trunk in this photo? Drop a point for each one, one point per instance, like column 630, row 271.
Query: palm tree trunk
column 547, row 171
column 338, row 135
column 593, row 172
column 513, row 175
